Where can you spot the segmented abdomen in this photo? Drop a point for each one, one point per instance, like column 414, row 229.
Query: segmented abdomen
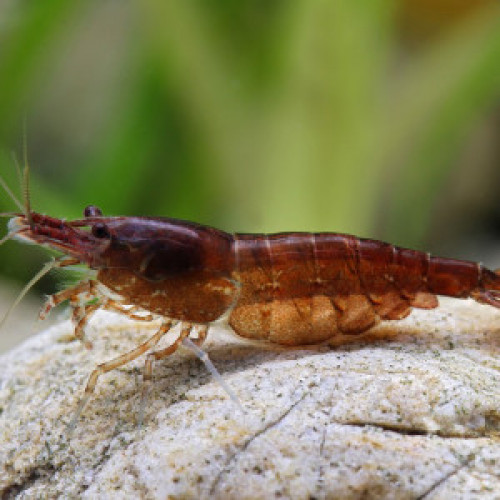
column 300, row 288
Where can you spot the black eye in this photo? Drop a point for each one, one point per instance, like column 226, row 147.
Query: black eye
column 99, row 230
column 92, row 211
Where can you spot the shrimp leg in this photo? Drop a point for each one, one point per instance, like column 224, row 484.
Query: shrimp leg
column 129, row 311
column 115, row 363
column 148, row 366
column 72, row 294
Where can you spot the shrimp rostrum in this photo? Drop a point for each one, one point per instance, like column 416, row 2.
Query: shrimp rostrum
column 290, row 289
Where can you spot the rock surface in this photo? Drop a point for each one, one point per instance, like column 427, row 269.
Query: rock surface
column 22, row 322
column 411, row 410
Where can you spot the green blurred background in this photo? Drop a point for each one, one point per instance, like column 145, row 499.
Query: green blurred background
column 373, row 117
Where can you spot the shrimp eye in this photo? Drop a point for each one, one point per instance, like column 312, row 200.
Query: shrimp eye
column 92, row 211
column 100, row 230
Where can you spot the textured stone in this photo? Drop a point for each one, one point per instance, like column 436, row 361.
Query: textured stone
column 22, row 320
column 409, row 411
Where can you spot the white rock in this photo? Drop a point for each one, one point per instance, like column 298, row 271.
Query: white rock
column 413, row 415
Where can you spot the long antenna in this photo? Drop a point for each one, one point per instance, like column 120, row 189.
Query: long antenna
column 18, row 168
column 9, row 236
column 47, row 267
column 11, row 195
column 26, row 175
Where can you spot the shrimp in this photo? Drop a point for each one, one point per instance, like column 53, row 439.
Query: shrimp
column 290, row 289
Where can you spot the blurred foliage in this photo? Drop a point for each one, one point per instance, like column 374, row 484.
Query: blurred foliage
column 252, row 116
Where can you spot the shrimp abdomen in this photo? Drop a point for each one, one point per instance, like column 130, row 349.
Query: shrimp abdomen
column 299, row 288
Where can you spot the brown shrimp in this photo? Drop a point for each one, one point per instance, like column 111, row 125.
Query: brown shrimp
column 290, row 289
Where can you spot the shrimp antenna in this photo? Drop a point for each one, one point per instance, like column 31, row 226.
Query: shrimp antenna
column 9, row 235
column 47, row 267
column 18, row 168
column 11, row 195
column 26, row 176
column 10, row 214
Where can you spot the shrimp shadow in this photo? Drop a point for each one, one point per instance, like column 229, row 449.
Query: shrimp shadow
column 177, row 375
column 390, row 335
